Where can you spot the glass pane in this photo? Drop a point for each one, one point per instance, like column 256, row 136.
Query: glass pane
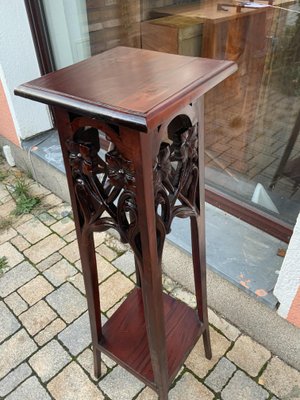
column 252, row 119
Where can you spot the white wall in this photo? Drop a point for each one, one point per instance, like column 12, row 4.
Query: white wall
column 289, row 277
column 18, row 65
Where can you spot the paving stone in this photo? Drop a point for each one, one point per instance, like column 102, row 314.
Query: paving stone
column 19, row 220
column 9, row 323
column 60, row 210
column 14, row 378
column 249, row 355
column 168, row 283
column 70, row 237
column 7, row 234
column 52, row 200
column 77, row 281
column 189, row 388
column 78, row 265
column 185, row 296
column 71, row 252
column 282, row 380
column 7, row 208
column 68, row 302
column 86, row 360
column 49, row 261
column 64, row 226
column 230, row 331
column 46, row 218
column 14, row 257
column 106, row 252
column 197, row 361
column 20, row 243
column 35, row 290
column 14, row 351
column 33, row 230
column 60, row 272
column 50, row 331
column 37, row 317
column 218, row 378
column 16, row 277
column 36, row 189
column 99, row 238
column 113, row 289
column 72, row 383
column 116, row 244
column 241, row 387
column 44, row 248
column 108, row 361
column 16, row 303
column 147, row 394
column 49, row 360
column 120, row 384
column 125, row 263
column 104, row 268
column 30, row 390
column 77, row 336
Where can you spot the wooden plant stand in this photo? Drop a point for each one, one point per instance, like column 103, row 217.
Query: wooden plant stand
column 150, row 107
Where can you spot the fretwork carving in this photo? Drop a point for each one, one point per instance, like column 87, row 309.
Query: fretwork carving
column 105, row 188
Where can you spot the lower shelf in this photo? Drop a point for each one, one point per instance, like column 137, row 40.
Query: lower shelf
column 125, row 338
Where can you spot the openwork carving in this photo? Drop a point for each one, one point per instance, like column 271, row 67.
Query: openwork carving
column 105, row 188
column 176, row 177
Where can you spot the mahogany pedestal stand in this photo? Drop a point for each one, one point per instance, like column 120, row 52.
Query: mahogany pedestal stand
column 150, row 107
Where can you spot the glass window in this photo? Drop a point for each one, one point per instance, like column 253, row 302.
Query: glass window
column 252, row 119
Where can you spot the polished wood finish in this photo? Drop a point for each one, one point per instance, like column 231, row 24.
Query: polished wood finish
column 129, row 86
column 125, row 337
column 150, row 107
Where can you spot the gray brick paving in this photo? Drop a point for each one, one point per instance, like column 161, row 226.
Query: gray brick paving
column 14, row 351
column 77, row 336
column 60, row 272
column 9, row 323
column 29, row 390
column 49, row 261
column 16, row 277
column 241, row 387
column 120, row 384
column 49, row 360
column 68, row 302
column 72, row 383
column 14, row 378
column 37, row 317
column 125, row 263
column 56, row 358
column 218, row 378
column 16, row 303
column 190, row 388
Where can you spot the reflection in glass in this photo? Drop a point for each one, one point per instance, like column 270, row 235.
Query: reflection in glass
column 252, row 119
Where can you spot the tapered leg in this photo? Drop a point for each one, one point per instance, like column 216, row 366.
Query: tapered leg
column 151, row 278
column 198, row 237
column 85, row 242
column 90, row 274
column 199, row 265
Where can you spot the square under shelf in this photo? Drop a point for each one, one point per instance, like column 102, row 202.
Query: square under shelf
column 125, row 337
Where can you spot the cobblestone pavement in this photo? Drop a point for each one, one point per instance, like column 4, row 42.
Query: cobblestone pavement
column 45, row 344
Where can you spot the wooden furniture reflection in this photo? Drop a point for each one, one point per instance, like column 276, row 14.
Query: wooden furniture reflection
column 150, row 107
column 230, row 109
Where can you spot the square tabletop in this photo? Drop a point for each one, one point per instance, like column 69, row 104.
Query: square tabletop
column 128, row 86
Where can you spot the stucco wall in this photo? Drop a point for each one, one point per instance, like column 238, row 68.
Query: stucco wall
column 18, row 63
column 7, row 127
column 287, row 289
